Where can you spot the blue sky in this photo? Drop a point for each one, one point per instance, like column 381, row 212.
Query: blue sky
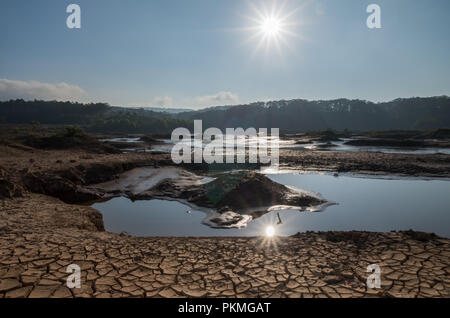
column 197, row 53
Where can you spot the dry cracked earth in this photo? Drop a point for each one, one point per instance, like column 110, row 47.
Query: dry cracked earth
column 40, row 236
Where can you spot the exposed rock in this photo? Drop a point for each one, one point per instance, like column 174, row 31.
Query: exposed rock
column 239, row 191
column 59, row 187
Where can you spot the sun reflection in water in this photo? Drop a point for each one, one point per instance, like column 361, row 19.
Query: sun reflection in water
column 270, row 231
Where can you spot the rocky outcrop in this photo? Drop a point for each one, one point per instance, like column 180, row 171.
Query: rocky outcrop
column 70, row 185
column 239, row 191
column 79, row 141
column 233, row 199
column 59, row 187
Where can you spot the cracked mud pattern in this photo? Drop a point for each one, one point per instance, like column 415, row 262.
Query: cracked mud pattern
column 40, row 236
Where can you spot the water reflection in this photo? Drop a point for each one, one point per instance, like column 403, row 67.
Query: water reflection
column 364, row 204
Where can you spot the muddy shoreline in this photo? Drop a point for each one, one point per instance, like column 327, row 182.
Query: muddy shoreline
column 66, row 174
column 369, row 163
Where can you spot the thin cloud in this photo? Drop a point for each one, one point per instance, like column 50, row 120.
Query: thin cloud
column 30, row 90
column 165, row 101
column 160, row 101
column 219, row 99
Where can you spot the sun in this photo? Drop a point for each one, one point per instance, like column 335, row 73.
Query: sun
column 271, row 26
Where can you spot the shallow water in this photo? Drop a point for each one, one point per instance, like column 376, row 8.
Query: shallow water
column 364, row 204
column 124, row 139
column 340, row 146
column 252, row 143
column 167, row 147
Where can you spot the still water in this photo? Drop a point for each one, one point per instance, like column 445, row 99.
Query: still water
column 363, row 204
column 252, row 142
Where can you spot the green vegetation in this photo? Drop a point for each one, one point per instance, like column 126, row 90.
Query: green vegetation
column 99, row 117
column 49, row 112
column 289, row 116
column 341, row 114
column 130, row 123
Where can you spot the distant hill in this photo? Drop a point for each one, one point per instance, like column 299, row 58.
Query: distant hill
column 168, row 110
column 154, row 109
column 99, row 117
column 340, row 114
column 289, row 115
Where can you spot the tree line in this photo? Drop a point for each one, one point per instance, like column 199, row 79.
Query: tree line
column 95, row 117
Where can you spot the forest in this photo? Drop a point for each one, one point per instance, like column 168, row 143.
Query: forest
column 288, row 115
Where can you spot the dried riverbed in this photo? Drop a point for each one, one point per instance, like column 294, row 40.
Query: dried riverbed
column 40, row 235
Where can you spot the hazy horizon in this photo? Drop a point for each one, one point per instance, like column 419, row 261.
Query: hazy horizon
column 175, row 107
